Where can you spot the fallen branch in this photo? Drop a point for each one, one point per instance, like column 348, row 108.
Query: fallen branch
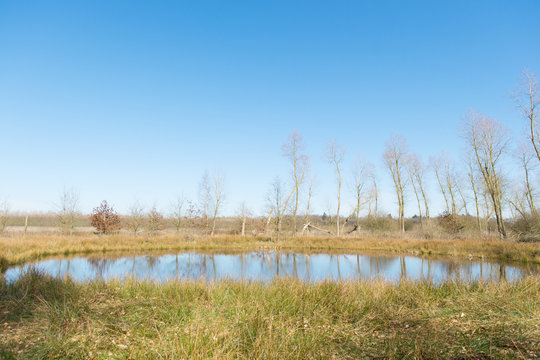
column 308, row 225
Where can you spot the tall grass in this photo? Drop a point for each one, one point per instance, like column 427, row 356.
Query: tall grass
column 43, row 317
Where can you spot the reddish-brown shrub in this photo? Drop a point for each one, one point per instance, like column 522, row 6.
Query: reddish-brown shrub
column 105, row 219
column 450, row 222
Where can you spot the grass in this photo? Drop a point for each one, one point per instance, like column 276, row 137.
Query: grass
column 20, row 249
column 43, row 317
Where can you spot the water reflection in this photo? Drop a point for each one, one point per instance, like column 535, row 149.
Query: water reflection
column 265, row 266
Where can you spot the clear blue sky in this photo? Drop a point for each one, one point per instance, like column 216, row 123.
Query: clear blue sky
column 133, row 100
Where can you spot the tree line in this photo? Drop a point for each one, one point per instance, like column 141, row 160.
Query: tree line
column 484, row 183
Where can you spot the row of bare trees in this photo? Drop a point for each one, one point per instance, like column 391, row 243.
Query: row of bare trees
column 282, row 200
column 488, row 144
column 482, row 181
column 183, row 212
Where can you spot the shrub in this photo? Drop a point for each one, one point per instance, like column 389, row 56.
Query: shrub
column 450, row 223
column 527, row 228
column 105, row 219
column 155, row 221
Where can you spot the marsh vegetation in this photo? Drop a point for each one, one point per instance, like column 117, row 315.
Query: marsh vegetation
column 44, row 317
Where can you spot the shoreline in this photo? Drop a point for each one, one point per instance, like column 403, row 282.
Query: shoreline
column 18, row 250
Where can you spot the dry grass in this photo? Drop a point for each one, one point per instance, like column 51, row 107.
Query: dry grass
column 42, row 317
column 21, row 249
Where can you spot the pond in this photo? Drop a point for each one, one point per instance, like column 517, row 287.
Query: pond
column 265, row 266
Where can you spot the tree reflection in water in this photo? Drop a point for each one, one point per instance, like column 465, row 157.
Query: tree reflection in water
column 268, row 265
column 99, row 265
column 502, row 272
column 379, row 264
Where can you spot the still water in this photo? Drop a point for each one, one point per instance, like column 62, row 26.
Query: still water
column 265, row 266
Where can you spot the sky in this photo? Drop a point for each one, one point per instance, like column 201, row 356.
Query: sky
column 132, row 101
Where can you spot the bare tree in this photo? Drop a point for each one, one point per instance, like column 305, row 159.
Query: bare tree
column 373, row 197
column 488, row 140
column 460, row 188
column 416, row 175
column 437, row 169
column 292, row 149
column 522, row 197
column 525, row 158
column 155, row 221
column 67, row 210
column 275, row 202
column 135, row 220
column 271, row 211
column 519, row 203
column 446, row 178
column 217, row 187
column 205, row 197
column 307, row 217
column 4, row 215
column 415, row 189
column 528, row 100
column 451, row 182
column 362, row 171
column 178, row 212
column 278, row 203
column 395, row 158
column 335, row 156
column 486, row 201
column 244, row 213
column 471, row 176
column 308, row 204
column 193, row 213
